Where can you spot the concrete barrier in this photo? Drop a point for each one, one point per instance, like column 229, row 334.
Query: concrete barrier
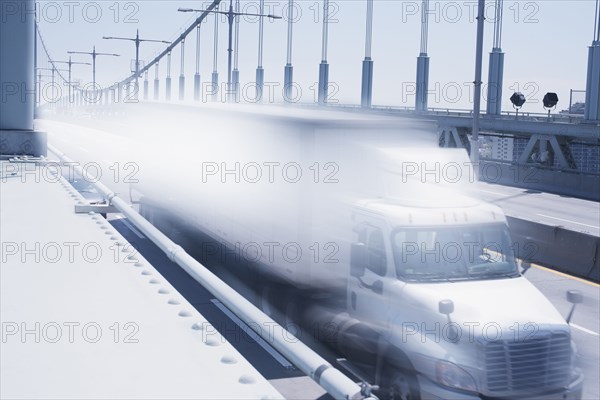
column 575, row 253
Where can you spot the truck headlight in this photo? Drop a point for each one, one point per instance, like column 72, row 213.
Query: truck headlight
column 451, row 375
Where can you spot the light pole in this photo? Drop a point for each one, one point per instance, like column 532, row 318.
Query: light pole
column 230, row 19
column 39, row 83
column 94, row 54
column 71, row 63
column 53, row 69
column 137, row 42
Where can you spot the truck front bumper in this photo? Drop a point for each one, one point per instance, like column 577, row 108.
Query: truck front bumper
column 433, row 391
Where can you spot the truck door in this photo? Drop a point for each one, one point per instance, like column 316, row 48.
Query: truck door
column 367, row 291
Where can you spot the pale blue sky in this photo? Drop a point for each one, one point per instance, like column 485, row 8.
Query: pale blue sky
column 545, row 44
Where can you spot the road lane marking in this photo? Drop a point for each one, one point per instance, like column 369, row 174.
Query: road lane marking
column 566, row 275
column 261, row 342
column 581, row 328
column 496, row 193
column 566, row 220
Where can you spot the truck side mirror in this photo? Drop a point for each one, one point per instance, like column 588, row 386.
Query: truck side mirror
column 358, row 259
column 574, row 297
column 528, row 251
column 525, row 265
column 446, row 307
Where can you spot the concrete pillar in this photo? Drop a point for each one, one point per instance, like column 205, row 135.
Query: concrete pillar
column 495, row 76
column 260, row 83
column 288, row 82
column 592, row 90
column 422, row 82
column 17, row 80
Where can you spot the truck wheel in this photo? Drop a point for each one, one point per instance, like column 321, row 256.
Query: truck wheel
column 403, row 385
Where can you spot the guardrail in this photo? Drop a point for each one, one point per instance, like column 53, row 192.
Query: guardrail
column 323, row 373
column 561, row 249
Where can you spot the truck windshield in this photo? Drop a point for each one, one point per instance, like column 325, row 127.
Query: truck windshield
column 461, row 252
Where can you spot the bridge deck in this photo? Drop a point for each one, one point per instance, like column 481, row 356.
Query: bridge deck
column 84, row 316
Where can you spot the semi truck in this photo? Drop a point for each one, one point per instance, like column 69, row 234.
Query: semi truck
column 416, row 283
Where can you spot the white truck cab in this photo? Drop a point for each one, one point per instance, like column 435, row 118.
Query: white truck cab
column 439, row 283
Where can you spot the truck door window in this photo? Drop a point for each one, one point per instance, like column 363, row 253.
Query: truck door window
column 376, row 258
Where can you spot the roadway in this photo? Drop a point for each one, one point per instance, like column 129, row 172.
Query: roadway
column 546, row 208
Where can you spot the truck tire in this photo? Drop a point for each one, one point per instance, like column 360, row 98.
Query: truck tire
column 402, row 385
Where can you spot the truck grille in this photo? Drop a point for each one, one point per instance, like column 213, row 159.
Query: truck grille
column 533, row 364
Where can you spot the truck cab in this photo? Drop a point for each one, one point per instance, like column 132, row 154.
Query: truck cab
column 437, row 282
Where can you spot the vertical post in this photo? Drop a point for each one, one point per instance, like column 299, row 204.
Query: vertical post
column 156, row 81
column 197, row 75
column 288, row 77
column 477, row 85
column 17, row 80
column 229, row 49
column 94, row 68
column 235, row 78
column 592, row 88
column 496, row 67
column 260, row 72
column 70, row 89
column 146, row 85
column 136, row 88
column 39, row 88
column 168, row 80
column 324, row 66
column 35, row 85
column 215, row 73
column 182, row 75
column 422, row 82
column 367, row 66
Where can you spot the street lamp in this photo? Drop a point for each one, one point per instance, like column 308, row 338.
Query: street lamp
column 230, row 19
column 39, row 82
column 137, row 42
column 71, row 63
column 94, row 54
column 53, row 69
column 517, row 100
column 550, row 100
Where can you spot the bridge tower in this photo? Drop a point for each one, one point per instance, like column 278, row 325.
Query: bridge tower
column 592, row 89
column 17, row 40
column 423, row 61
column 367, row 71
column 496, row 67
